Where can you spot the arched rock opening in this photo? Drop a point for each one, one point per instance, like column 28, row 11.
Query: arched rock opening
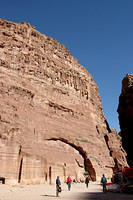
column 87, row 163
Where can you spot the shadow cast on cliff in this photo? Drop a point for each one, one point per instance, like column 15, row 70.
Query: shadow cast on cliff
column 87, row 163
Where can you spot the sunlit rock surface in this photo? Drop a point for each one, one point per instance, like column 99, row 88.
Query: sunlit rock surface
column 51, row 117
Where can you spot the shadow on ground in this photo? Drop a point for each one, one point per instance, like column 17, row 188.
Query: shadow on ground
column 105, row 196
column 46, row 195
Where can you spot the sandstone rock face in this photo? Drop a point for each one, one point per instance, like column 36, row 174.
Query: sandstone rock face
column 125, row 110
column 51, row 117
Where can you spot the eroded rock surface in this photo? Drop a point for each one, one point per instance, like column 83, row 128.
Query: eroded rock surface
column 51, row 117
column 125, row 110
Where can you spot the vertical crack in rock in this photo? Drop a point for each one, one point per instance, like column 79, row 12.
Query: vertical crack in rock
column 20, row 163
column 117, row 166
column 20, row 170
column 107, row 125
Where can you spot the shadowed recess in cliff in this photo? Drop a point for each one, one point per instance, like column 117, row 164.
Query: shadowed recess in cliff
column 125, row 111
column 87, row 163
column 117, row 165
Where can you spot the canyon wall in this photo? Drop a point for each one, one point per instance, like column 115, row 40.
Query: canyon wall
column 125, row 110
column 51, row 117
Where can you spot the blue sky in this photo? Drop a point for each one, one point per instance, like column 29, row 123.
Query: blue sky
column 99, row 33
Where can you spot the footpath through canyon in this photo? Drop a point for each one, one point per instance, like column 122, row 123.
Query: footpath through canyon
column 47, row 192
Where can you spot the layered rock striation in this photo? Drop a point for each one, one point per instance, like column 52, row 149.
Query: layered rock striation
column 125, row 111
column 51, row 117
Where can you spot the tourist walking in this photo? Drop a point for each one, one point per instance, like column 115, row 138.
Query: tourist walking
column 104, row 183
column 58, row 186
column 69, row 182
column 87, row 181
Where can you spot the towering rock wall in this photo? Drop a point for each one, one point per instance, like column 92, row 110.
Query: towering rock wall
column 125, row 110
column 51, row 117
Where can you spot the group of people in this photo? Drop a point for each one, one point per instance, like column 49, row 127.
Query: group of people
column 58, row 185
column 69, row 181
column 103, row 182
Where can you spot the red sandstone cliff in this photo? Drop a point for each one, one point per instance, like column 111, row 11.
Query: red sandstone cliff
column 51, row 117
column 125, row 110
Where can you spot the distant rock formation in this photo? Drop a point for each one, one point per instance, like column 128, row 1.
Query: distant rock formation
column 125, row 110
column 51, row 117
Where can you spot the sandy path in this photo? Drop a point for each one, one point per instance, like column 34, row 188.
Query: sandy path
column 47, row 192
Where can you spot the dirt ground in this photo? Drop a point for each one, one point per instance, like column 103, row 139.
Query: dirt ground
column 47, row 192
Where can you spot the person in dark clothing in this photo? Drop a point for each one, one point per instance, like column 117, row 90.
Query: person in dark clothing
column 58, row 186
column 87, row 181
column 104, row 183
